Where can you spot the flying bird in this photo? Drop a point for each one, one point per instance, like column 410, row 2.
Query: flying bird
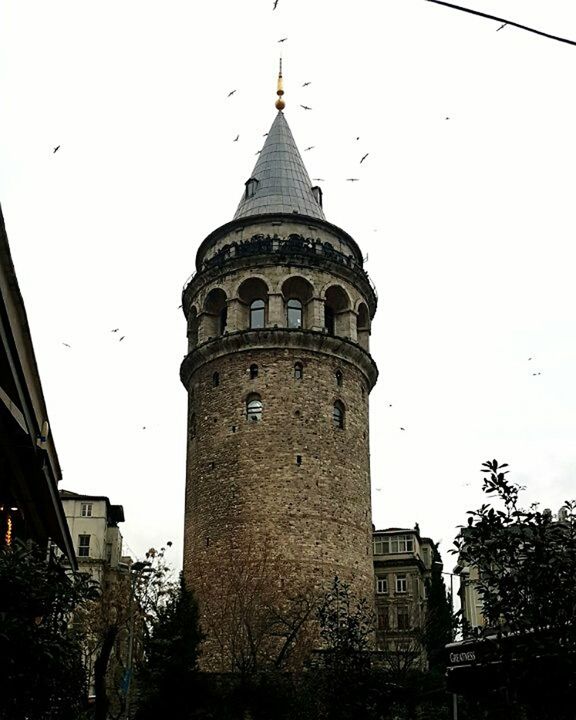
column 283, row 39
column 358, row 138
column 236, row 138
column 169, row 543
column 402, row 428
column 258, row 153
column 446, row 118
column 143, row 427
column 115, row 330
column 231, row 93
column 538, row 373
column 364, row 158
column 318, row 179
column 502, row 26
column 122, row 338
column 305, row 107
column 274, row 8
column 265, row 135
column 309, row 148
column 352, row 179
column 56, row 149
column 529, row 358
column 306, row 84
column 66, row 345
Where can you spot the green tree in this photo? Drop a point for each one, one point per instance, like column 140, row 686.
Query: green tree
column 41, row 670
column 169, row 672
column 526, row 560
column 344, row 679
column 440, row 623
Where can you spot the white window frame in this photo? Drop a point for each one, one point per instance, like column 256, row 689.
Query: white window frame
column 382, row 585
column 86, row 510
column 82, row 546
column 401, row 584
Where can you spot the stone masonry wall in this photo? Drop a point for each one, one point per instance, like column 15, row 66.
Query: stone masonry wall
column 244, row 477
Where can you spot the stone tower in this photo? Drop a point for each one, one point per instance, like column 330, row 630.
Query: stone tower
column 278, row 374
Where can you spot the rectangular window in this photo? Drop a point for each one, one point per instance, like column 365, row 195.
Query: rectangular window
column 86, row 510
column 383, row 618
column 381, row 546
column 401, row 583
column 83, row 545
column 402, row 617
column 402, row 544
column 381, row 585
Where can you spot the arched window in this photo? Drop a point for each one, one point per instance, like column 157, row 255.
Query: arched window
column 253, row 371
column 215, row 379
column 329, row 319
column 298, row 371
column 257, row 311
column 339, row 377
column 338, row 414
column 253, row 408
column 294, row 311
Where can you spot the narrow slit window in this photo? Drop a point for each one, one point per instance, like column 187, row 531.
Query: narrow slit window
column 298, row 371
column 339, row 378
column 329, row 320
column 338, row 414
column 215, row 379
column 253, row 371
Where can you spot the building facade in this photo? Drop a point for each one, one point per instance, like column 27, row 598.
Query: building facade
column 30, row 508
column 403, row 565
column 278, row 375
column 93, row 523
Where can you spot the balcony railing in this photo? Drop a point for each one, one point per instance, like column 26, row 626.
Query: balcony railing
column 292, row 245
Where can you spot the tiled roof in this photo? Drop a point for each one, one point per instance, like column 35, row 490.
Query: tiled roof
column 283, row 185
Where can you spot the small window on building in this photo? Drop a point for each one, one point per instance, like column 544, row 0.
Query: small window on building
column 253, row 371
column 257, row 314
column 381, row 585
column 298, row 371
column 86, row 510
column 254, row 408
column 403, row 617
column 329, row 320
column 381, row 545
column 383, row 618
column 83, row 545
column 222, row 320
column 339, row 378
column 401, row 544
column 215, row 379
column 251, row 186
column 338, row 414
column 401, row 583
column 294, row 313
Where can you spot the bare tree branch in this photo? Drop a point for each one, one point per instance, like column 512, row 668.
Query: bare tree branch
column 503, row 20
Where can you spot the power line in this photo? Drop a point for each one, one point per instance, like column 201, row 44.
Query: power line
column 503, row 20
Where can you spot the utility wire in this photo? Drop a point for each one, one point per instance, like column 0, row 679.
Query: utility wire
column 503, row 20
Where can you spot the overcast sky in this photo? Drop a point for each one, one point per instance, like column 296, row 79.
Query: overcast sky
column 464, row 209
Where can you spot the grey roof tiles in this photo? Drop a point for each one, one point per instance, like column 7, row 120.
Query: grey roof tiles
column 283, row 185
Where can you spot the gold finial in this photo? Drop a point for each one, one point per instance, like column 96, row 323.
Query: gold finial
column 280, row 104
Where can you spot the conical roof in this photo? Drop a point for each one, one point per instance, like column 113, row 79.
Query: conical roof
column 283, row 184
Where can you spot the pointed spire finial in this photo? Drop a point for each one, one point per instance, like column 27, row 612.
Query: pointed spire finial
column 280, row 104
